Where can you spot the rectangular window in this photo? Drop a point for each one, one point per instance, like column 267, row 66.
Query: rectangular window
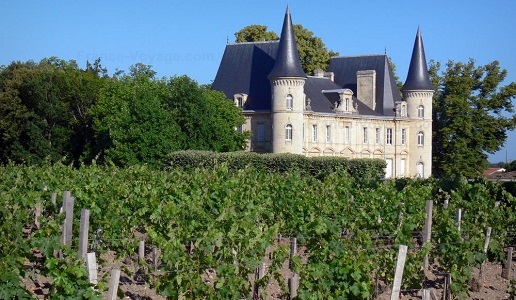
column 261, row 132
column 240, row 128
column 403, row 136
column 303, row 132
column 328, row 133
column 314, row 133
column 377, row 135
column 347, row 135
column 388, row 137
column 366, row 138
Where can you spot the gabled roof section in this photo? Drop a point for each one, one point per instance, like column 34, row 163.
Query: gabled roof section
column 345, row 69
column 244, row 69
column 418, row 77
column 287, row 59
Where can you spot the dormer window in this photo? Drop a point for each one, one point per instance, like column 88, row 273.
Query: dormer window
column 240, row 100
column 346, row 104
column 401, row 109
column 289, row 101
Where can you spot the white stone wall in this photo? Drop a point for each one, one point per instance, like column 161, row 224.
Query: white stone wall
column 403, row 152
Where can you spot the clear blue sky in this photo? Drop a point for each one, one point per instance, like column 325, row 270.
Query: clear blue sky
column 188, row 37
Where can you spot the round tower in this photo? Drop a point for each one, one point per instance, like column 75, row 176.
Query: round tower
column 287, row 80
column 418, row 92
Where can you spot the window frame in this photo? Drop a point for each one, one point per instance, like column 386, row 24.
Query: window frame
column 388, row 136
column 421, row 111
column 289, row 102
column 420, row 138
column 288, row 132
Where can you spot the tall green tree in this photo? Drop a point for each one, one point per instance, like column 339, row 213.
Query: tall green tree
column 132, row 122
column 312, row 50
column 472, row 112
column 207, row 117
column 43, row 109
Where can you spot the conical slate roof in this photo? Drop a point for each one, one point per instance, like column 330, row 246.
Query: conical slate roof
column 418, row 77
column 287, row 59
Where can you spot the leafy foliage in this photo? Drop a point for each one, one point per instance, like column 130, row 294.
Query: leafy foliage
column 219, row 221
column 255, row 33
column 319, row 167
column 44, row 109
column 53, row 110
column 471, row 114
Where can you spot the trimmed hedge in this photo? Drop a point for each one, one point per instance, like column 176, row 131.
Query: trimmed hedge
column 282, row 162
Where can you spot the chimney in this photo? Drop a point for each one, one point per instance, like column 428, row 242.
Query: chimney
column 366, row 87
column 321, row 74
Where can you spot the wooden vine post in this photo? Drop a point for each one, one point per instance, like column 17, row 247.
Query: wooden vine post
column 83, row 233
column 113, row 284
column 293, row 281
column 427, row 234
column 398, row 275
column 507, row 268
column 91, row 265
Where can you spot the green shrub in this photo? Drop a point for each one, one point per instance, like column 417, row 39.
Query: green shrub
column 318, row 167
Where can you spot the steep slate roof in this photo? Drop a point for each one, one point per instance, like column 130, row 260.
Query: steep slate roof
column 325, row 102
column 345, row 69
column 418, row 77
column 287, row 59
column 244, row 69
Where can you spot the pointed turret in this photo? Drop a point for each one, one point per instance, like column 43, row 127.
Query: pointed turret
column 418, row 78
column 287, row 59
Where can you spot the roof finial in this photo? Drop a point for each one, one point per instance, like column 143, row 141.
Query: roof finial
column 227, row 39
column 385, row 50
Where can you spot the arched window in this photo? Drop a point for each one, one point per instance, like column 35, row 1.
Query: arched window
column 288, row 132
column 420, row 170
column 289, row 101
column 421, row 112
column 420, row 138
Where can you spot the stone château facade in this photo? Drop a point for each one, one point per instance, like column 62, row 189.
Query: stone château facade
column 352, row 110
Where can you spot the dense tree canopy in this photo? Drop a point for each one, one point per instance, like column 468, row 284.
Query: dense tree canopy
column 44, row 109
column 54, row 110
column 312, row 51
column 472, row 113
column 255, row 33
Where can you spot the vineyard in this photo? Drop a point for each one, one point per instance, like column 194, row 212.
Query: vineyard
column 215, row 228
